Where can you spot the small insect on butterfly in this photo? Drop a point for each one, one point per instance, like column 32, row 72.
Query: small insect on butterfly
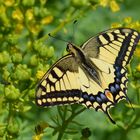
column 93, row 75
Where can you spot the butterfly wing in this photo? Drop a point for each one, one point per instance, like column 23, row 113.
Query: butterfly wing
column 114, row 46
column 69, row 82
column 60, row 85
column 110, row 52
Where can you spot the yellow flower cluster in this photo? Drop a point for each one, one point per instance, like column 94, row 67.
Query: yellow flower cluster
column 138, row 67
column 19, row 27
column 110, row 3
column 104, row 3
column 37, row 137
column 116, row 25
column 9, row 3
column 19, row 17
column 39, row 74
column 137, row 52
column 17, row 14
column 127, row 22
column 29, row 14
column 47, row 20
column 34, row 28
column 3, row 16
column 114, row 6
column 27, row 18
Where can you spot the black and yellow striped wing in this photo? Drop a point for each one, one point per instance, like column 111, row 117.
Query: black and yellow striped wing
column 93, row 75
column 111, row 51
column 60, row 85
column 114, row 46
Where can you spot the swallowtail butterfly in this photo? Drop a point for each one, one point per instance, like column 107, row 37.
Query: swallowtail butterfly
column 93, row 75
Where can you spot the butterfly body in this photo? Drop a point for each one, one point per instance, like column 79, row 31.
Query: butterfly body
column 84, row 62
column 94, row 74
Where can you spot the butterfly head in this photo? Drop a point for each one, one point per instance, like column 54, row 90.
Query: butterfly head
column 75, row 52
column 71, row 49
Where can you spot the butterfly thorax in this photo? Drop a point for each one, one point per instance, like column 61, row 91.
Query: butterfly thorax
column 84, row 62
column 76, row 52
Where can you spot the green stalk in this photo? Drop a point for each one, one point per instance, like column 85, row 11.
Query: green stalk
column 66, row 122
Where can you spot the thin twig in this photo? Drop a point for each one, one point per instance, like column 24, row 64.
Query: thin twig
column 66, row 122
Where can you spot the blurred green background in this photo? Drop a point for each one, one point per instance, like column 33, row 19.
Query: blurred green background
column 26, row 53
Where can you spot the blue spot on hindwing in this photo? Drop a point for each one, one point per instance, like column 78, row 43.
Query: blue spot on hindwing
column 118, row 80
column 112, row 89
column 98, row 100
column 85, row 96
column 91, row 98
column 103, row 97
column 117, row 86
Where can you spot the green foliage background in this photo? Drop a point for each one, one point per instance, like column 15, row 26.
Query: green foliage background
column 26, row 52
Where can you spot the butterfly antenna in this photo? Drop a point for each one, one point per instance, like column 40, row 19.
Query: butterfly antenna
column 73, row 32
column 57, row 38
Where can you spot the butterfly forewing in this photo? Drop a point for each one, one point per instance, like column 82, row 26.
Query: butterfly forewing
column 114, row 46
column 60, row 85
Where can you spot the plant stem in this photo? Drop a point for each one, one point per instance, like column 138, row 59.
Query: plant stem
column 66, row 122
column 129, row 127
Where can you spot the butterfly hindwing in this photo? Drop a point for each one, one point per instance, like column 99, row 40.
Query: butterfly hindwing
column 110, row 52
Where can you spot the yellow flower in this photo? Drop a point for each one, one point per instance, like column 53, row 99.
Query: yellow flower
column 138, row 67
column 128, row 20
column 136, row 25
column 29, row 14
column 131, row 25
column 116, row 25
column 114, row 6
column 2, row 9
column 17, row 14
column 19, row 27
column 40, row 74
column 137, row 52
column 4, row 17
column 9, row 3
column 34, row 28
column 103, row 3
column 47, row 20
column 37, row 137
